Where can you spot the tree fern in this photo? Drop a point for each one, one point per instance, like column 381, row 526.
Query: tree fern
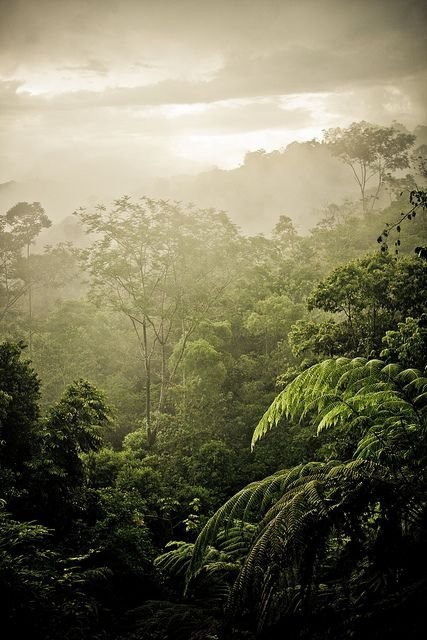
column 306, row 522
column 299, row 511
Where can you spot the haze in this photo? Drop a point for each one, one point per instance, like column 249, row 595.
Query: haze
column 100, row 98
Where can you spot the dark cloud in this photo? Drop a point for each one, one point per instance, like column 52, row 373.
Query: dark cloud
column 373, row 44
column 75, row 31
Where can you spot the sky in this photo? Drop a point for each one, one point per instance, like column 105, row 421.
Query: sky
column 109, row 93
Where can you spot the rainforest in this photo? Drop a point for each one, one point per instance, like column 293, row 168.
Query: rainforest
column 210, row 434
column 213, row 321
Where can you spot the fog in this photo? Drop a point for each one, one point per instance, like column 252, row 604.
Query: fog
column 213, row 376
column 104, row 98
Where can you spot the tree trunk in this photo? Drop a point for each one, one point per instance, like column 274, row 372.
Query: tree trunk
column 163, row 380
column 30, row 306
column 147, row 363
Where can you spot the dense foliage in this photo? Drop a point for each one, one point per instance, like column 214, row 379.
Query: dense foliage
column 141, row 512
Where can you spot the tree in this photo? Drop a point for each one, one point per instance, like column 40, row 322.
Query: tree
column 75, row 425
column 285, row 235
column 19, row 395
column 77, row 340
column 371, row 152
column 18, row 229
column 368, row 297
column 164, row 267
column 202, row 370
column 272, row 319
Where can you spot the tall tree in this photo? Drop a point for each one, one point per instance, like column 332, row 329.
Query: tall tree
column 367, row 297
column 73, row 426
column 18, row 229
column 164, row 267
column 371, row 152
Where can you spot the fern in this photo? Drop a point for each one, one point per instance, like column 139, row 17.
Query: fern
column 314, row 499
column 297, row 524
column 265, row 499
column 355, row 394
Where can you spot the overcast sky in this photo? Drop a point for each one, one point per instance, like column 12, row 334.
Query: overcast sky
column 112, row 91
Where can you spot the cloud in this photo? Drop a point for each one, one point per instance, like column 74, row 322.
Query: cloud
column 146, row 52
column 188, row 33
column 99, row 82
column 57, row 119
column 92, row 66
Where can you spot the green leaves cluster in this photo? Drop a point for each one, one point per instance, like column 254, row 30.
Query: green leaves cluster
column 319, row 526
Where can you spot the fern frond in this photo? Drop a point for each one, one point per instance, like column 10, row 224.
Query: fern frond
column 282, row 492
column 177, row 560
column 358, row 394
column 410, row 376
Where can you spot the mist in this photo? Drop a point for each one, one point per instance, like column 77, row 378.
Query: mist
column 213, row 319
column 129, row 99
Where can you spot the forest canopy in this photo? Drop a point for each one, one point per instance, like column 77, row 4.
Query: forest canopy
column 210, row 434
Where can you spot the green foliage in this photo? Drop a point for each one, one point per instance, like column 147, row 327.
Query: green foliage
column 382, row 406
column 121, row 535
column 143, row 479
column 201, row 613
column 164, row 267
column 43, row 594
column 272, row 319
column 73, row 426
column 19, row 395
column 195, row 328
column 327, row 533
column 201, row 365
column 136, row 441
column 213, row 466
column 407, row 345
column 297, row 514
column 218, row 567
column 317, row 339
column 78, row 340
column 80, row 416
column 368, row 297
